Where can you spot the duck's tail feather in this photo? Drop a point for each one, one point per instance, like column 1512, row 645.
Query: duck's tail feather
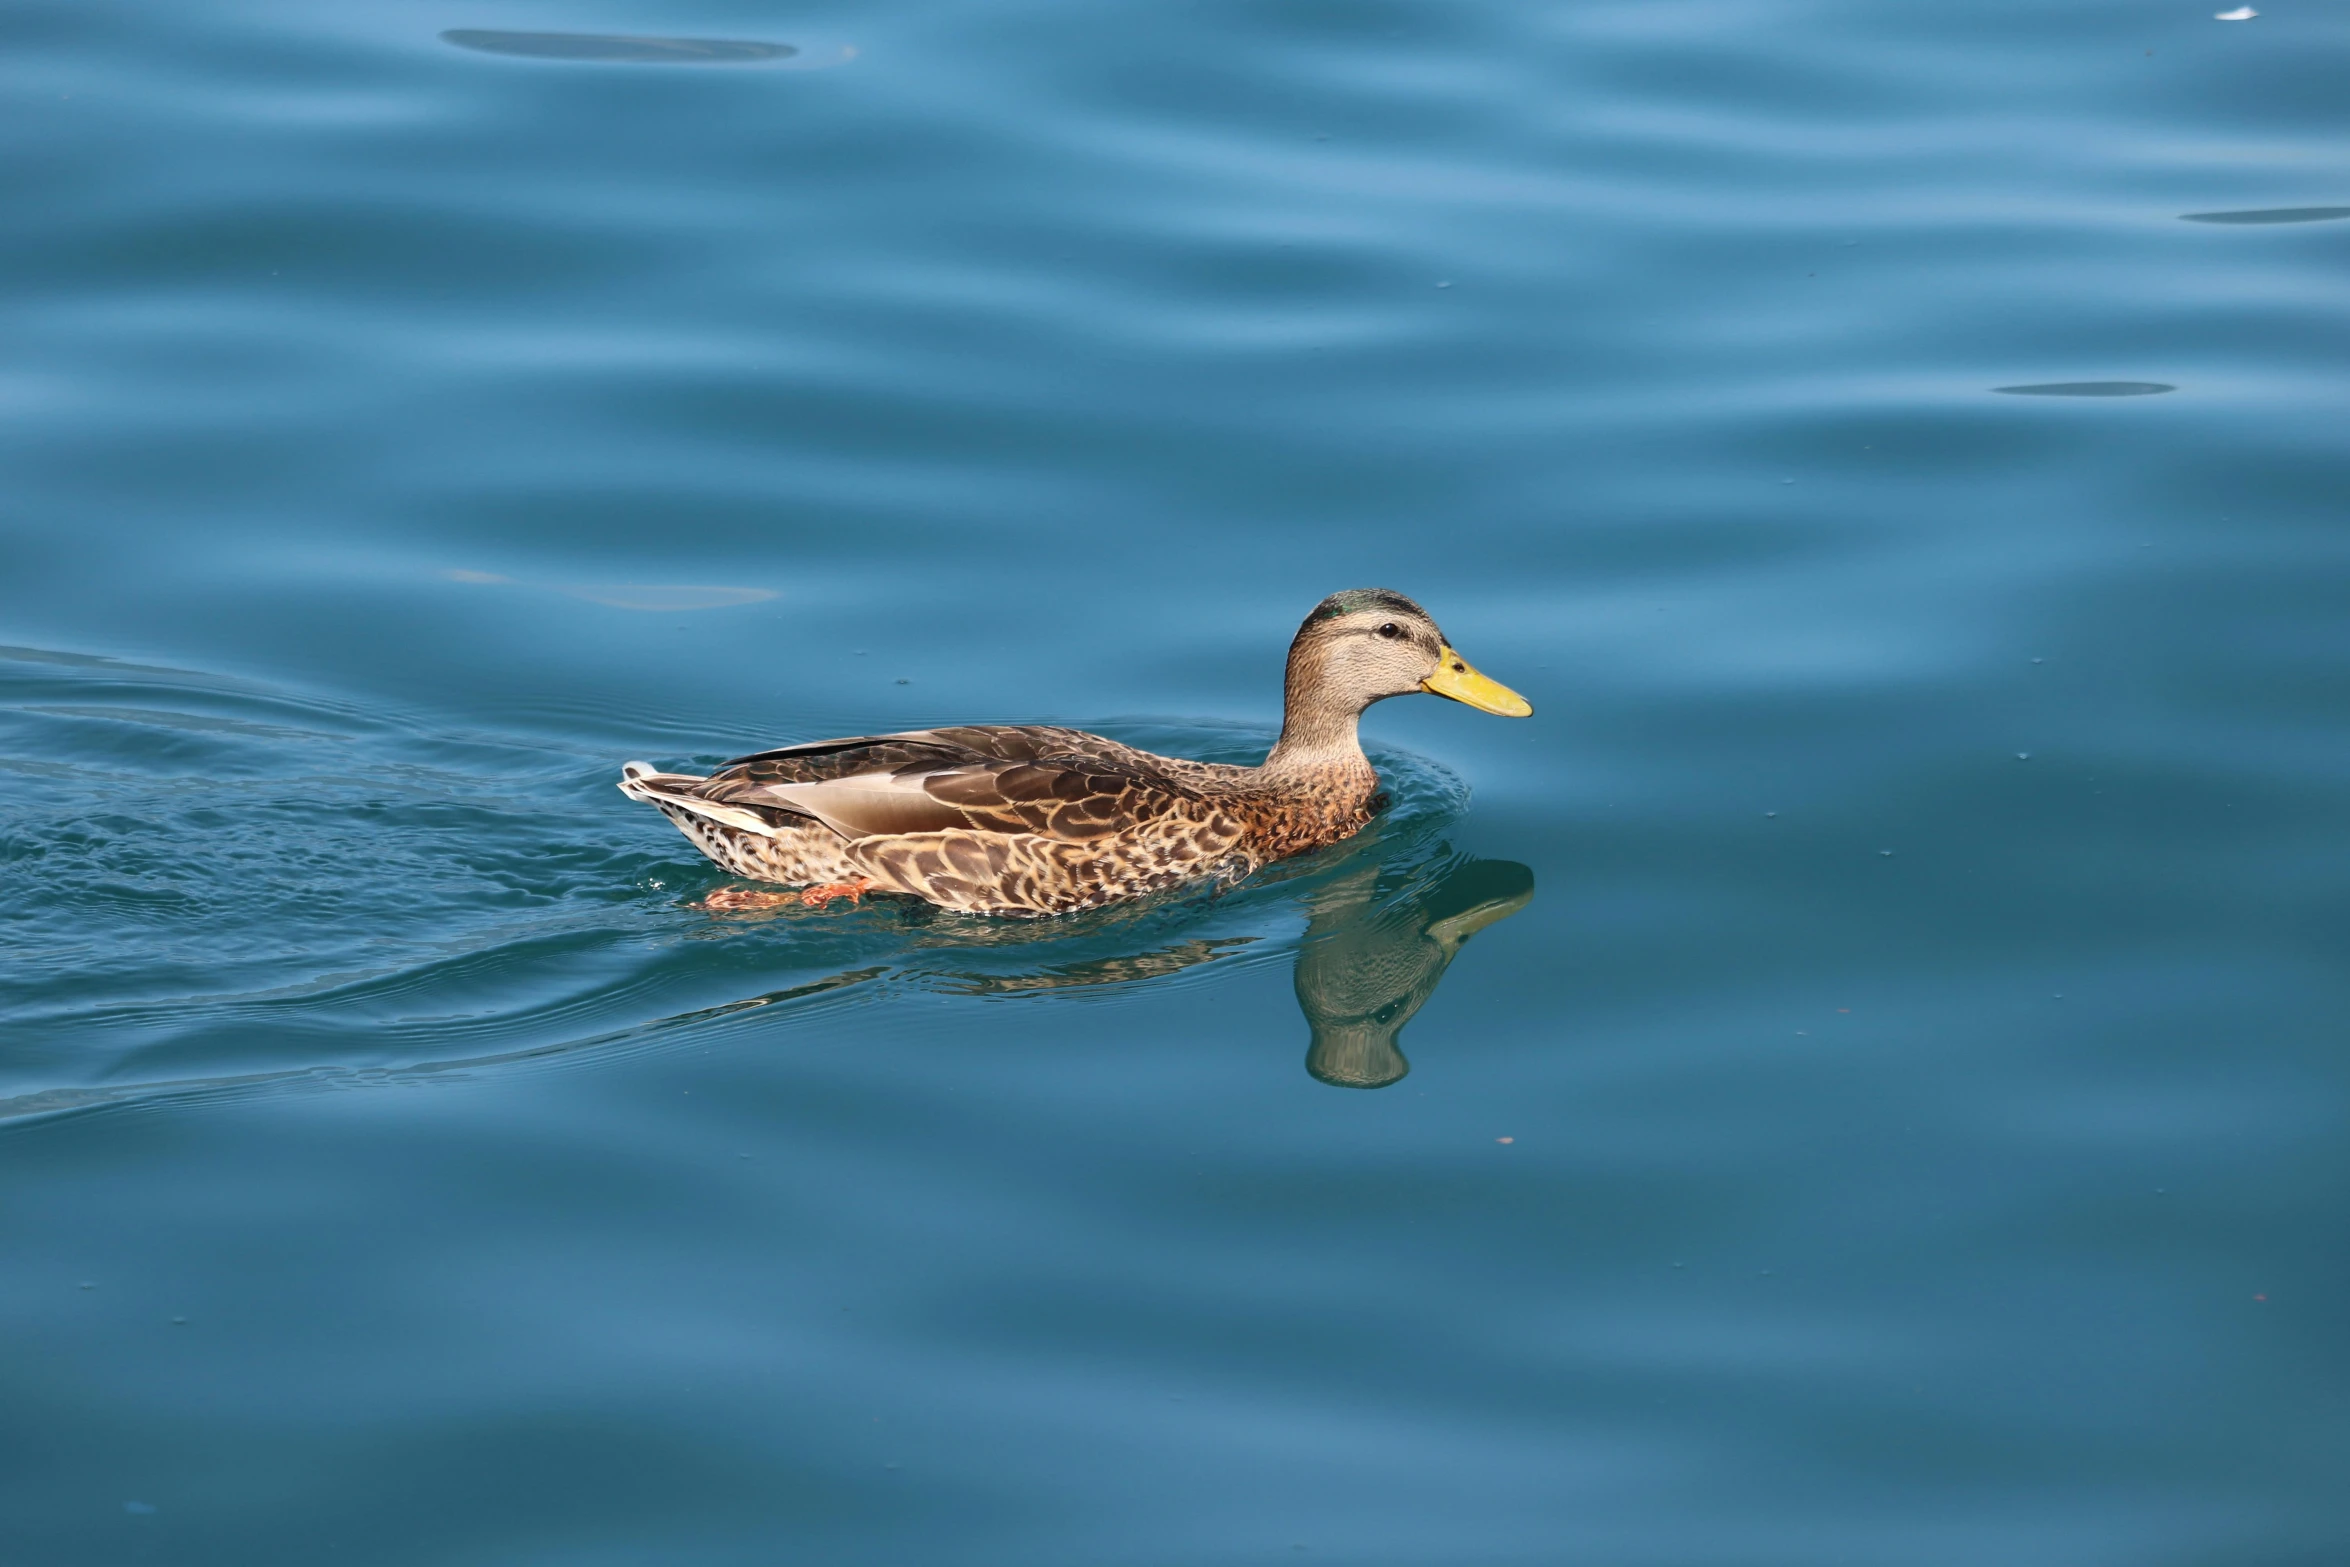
column 679, row 792
column 642, row 781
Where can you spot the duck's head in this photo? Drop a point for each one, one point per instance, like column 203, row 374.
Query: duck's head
column 1368, row 644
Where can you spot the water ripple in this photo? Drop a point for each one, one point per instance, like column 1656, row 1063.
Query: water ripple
column 262, row 896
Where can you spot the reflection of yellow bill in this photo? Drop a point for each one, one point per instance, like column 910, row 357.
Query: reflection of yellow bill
column 1454, row 678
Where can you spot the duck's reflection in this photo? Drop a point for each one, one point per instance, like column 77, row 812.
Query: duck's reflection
column 1376, row 944
column 1377, row 941
column 1369, row 962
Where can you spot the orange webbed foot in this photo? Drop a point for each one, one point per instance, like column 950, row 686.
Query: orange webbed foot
column 734, row 900
column 821, row 897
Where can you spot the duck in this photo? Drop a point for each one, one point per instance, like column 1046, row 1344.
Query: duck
column 1036, row 820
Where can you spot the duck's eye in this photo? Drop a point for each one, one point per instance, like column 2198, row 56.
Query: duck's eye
column 1391, row 631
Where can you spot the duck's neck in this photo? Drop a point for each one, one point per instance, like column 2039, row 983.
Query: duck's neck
column 1318, row 736
column 1317, row 781
column 1318, row 743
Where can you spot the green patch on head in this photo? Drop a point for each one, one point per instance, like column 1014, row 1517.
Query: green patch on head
column 1356, row 601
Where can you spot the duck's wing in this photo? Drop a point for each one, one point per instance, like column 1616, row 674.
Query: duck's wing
column 1062, row 784
column 819, row 759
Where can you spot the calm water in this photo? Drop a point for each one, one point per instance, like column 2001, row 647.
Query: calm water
column 1886, row 1100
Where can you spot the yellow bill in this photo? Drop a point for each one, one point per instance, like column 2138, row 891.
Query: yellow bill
column 1454, row 678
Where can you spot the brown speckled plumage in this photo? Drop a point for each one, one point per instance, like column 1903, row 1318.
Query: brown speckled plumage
column 1030, row 819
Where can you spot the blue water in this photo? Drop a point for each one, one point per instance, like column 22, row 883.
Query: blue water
column 1858, row 1077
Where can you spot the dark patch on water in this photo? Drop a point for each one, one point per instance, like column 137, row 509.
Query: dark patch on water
column 616, row 46
column 2270, row 215
column 2088, row 389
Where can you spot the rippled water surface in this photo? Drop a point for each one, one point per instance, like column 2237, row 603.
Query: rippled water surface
column 1858, row 1077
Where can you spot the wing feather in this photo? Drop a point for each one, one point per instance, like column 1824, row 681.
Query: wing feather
column 865, row 804
column 1054, row 783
